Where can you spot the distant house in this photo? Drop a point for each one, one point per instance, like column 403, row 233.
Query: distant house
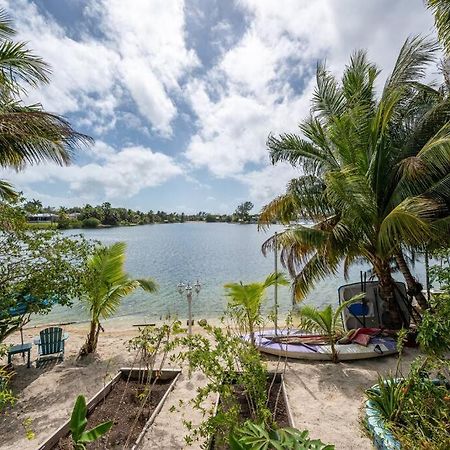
column 42, row 217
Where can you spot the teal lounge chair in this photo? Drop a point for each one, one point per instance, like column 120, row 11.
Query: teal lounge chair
column 50, row 343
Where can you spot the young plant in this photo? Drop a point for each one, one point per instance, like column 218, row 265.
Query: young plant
column 244, row 301
column 326, row 321
column 106, row 285
column 254, row 436
column 78, row 423
column 232, row 366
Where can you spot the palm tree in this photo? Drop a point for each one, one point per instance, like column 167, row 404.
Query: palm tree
column 245, row 301
column 375, row 172
column 106, row 285
column 325, row 321
column 28, row 135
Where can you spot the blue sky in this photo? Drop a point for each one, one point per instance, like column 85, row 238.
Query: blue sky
column 180, row 96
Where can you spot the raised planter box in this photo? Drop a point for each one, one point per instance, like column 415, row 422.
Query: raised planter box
column 125, row 373
column 279, row 380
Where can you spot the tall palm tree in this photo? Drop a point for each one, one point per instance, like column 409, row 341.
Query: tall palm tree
column 375, row 172
column 245, row 301
column 106, row 285
column 28, row 134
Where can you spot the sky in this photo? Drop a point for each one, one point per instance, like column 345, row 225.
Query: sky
column 180, row 96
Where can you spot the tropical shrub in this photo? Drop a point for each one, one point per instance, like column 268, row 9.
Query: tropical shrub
column 254, row 436
column 90, row 222
column 227, row 361
column 78, row 423
column 38, row 268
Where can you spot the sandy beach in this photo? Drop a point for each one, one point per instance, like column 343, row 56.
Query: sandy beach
column 326, row 398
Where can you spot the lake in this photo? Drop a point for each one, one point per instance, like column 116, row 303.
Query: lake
column 213, row 253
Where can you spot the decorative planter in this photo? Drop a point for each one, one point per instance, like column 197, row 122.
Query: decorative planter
column 125, row 373
column 383, row 439
column 279, row 378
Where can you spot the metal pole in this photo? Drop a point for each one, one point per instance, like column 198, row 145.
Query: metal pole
column 427, row 274
column 275, row 297
column 189, row 299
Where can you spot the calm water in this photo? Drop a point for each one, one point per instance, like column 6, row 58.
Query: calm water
column 214, row 253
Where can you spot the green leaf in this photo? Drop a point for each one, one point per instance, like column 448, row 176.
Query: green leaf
column 96, row 433
column 78, row 420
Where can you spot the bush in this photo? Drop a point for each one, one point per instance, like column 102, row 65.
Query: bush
column 90, row 222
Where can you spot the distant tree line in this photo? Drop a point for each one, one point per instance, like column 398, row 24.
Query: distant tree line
column 105, row 215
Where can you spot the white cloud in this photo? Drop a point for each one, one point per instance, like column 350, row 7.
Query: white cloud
column 114, row 175
column 142, row 56
column 254, row 87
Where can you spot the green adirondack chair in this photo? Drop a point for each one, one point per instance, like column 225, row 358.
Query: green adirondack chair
column 50, row 343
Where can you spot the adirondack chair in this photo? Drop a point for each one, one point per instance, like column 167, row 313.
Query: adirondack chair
column 51, row 342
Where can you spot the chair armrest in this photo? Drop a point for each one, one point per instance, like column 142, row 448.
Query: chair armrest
column 65, row 336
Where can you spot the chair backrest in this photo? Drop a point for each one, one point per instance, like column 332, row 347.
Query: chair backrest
column 51, row 340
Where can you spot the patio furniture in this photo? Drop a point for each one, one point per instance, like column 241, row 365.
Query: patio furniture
column 20, row 348
column 51, row 342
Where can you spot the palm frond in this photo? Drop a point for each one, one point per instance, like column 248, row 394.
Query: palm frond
column 441, row 12
column 7, row 192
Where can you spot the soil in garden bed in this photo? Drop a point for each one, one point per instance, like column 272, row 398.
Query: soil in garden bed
column 123, row 414
column 276, row 397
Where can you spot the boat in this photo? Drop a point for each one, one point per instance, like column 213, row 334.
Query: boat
column 268, row 342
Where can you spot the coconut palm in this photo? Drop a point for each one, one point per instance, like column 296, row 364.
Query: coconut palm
column 106, row 285
column 28, row 134
column 375, row 172
column 245, row 300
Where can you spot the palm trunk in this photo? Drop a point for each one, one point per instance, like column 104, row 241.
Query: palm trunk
column 91, row 341
column 391, row 316
column 414, row 287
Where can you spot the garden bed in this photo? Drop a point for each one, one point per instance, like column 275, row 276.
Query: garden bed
column 121, row 400
column 277, row 399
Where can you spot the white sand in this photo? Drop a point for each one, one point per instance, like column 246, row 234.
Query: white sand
column 325, row 398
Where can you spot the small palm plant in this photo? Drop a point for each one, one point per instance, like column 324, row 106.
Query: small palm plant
column 106, row 285
column 78, row 424
column 245, row 300
column 326, row 321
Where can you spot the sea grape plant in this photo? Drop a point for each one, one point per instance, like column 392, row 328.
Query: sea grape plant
column 78, row 423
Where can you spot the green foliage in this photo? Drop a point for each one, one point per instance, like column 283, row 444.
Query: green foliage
column 388, row 396
column 441, row 12
column 440, row 272
column 433, row 331
column 37, row 264
column 244, row 301
column 27, row 426
column 242, row 212
column 105, row 285
column 6, row 395
column 253, row 436
column 78, row 423
column 417, row 408
column 228, row 363
column 90, row 222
